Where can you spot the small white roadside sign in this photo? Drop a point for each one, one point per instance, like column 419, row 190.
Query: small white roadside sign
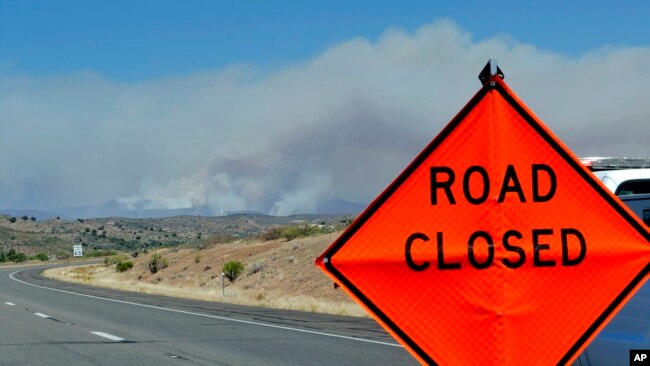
column 77, row 251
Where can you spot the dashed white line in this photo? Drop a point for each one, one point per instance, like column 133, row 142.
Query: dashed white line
column 13, row 277
column 42, row 315
column 109, row 336
column 10, row 303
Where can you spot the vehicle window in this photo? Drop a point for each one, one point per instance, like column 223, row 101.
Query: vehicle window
column 639, row 204
column 638, row 186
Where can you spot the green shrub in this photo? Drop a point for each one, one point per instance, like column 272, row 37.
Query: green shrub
column 100, row 253
column 20, row 257
column 157, row 262
column 41, row 257
column 124, row 266
column 232, row 270
column 300, row 231
column 115, row 259
column 197, row 257
column 295, row 231
column 14, row 256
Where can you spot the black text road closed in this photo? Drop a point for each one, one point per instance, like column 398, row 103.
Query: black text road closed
column 521, row 245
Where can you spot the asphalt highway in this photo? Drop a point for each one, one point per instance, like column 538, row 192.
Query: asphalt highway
column 48, row 322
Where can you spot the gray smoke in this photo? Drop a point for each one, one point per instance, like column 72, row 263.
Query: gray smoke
column 341, row 125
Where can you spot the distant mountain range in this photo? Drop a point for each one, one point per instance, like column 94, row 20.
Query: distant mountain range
column 39, row 215
column 116, row 209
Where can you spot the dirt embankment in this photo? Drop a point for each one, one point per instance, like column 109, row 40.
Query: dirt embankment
column 278, row 274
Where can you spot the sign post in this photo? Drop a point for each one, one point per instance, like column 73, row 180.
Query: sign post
column 223, row 284
column 495, row 246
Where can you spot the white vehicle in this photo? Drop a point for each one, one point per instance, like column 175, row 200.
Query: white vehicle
column 629, row 179
column 622, row 176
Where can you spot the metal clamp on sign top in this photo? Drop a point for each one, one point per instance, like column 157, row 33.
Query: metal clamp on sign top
column 491, row 68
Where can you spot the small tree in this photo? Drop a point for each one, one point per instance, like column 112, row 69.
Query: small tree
column 232, row 270
column 157, row 262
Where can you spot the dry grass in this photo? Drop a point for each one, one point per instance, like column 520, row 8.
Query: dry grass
column 279, row 274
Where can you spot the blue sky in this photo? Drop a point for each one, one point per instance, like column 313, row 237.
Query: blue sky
column 278, row 106
column 135, row 40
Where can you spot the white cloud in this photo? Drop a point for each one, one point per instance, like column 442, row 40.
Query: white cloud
column 341, row 125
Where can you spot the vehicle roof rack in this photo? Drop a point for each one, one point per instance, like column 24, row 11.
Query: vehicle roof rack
column 614, row 163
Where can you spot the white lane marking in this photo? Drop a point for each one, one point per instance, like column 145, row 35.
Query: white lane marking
column 109, row 336
column 10, row 303
column 42, row 315
column 250, row 322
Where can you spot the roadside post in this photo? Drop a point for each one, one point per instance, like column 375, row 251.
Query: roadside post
column 495, row 246
column 223, row 285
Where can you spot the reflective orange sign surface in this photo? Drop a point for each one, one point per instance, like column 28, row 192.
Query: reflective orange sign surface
column 495, row 246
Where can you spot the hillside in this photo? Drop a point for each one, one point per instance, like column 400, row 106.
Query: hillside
column 56, row 236
column 278, row 273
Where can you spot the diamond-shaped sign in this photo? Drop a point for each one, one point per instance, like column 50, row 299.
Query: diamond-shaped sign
column 494, row 246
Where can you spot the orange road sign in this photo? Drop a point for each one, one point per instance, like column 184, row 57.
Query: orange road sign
column 495, row 246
